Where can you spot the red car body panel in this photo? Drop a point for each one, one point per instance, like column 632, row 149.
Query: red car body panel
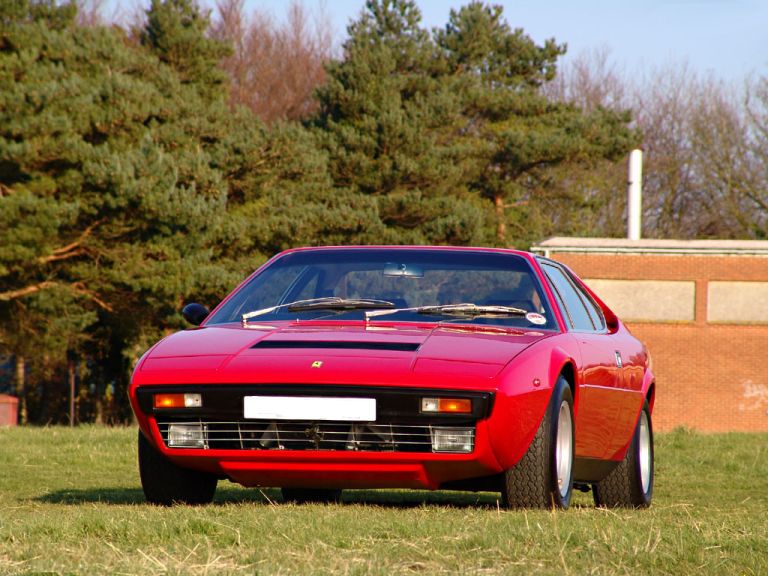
column 519, row 367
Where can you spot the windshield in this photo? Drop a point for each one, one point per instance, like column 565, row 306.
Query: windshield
column 411, row 285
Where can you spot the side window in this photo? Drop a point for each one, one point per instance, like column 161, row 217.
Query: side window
column 594, row 311
column 575, row 309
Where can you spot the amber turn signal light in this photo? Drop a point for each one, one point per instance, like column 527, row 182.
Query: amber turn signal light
column 178, row 401
column 447, row 405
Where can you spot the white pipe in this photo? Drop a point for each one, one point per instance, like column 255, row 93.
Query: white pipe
column 634, row 195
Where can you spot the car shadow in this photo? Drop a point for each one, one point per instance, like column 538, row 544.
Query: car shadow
column 418, row 498
column 128, row 496
column 73, row 496
column 269, row 496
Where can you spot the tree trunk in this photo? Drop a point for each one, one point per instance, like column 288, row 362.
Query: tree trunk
column 501, row 224
column 71, row 378
column 21, row 392
column 99, row 419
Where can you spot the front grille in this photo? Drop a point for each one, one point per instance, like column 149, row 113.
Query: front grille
column 286, row 435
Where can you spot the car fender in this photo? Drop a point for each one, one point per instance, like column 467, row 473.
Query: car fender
column 648, row 392
column 141, row 418
column 525, row 388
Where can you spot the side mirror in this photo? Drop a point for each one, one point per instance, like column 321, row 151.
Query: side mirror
column 611, row 320
column 195, row 313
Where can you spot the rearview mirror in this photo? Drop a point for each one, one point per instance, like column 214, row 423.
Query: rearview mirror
column 403, row 269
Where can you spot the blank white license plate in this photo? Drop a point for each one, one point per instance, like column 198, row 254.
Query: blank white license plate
column 310, row 408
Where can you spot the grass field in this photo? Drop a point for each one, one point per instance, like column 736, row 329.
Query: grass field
column 71, row 503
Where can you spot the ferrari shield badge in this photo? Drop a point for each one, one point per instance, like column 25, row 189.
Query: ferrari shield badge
column 317, row 364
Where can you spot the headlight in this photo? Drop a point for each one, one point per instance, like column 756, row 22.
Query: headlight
column 453, row 439
column 186, row 436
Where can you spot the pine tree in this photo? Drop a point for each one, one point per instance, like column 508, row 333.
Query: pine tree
column 128, row 187
column 450, row 132
column 515, row 137
column 110, row 203
column 176, row 32
column 383, row 118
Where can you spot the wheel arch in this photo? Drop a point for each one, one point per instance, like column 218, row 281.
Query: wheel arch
column 568, row 371
column 650, row 395
column 523, row 398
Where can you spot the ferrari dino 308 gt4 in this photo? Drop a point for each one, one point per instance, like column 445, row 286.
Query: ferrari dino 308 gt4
column 409, row 367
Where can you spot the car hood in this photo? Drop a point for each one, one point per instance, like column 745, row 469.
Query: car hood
column 341, row 354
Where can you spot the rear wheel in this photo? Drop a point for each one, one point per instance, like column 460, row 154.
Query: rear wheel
column 165, row 483
column 307, row 495
column 544, row 476
column 630, row 484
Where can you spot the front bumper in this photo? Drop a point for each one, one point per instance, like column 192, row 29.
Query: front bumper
column 394, row 451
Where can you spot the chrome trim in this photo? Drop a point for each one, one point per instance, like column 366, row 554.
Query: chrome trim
column 334, row 436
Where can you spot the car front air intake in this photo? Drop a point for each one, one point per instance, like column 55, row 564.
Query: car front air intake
column 336, row 345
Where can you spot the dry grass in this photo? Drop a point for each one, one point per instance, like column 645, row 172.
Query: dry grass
column 71, row 503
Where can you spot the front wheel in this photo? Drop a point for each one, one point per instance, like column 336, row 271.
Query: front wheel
column 544, row 476
column 165, row 483
column 630, row 484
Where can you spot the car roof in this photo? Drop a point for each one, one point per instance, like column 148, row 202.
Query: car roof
column 527, row 255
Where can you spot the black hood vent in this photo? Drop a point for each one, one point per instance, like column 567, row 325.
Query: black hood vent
column 336, row 345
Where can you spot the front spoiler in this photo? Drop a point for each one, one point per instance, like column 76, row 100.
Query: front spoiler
column 337, row 469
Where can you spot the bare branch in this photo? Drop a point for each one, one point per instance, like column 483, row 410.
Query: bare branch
column 79, row 288
column 90, row 13
column 76, row 287
column 275, row 67
column 72, row 249
column 13, row 294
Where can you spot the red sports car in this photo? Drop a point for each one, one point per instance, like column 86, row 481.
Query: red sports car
column 400, row 367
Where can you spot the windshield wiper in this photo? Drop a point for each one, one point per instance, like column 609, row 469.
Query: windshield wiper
column 466, row 309
column 327, row 303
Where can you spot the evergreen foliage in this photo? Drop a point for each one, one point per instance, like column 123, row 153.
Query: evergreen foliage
column 385, row 119
column 434, row 125
column 128, row 187
column 117, row 175
column 108, row 198
column 176, row 33
column 514, row 135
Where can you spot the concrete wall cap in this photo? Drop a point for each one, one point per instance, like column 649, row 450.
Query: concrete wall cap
column 563, row 244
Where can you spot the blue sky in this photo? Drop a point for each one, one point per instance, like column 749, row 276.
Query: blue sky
column 727, row 37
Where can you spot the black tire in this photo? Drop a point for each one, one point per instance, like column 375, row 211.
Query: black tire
column 534, row 482
column 308, row 495
column 630, row 484
column 165, row 483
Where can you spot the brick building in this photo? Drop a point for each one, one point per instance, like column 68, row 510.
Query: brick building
column 701, row 307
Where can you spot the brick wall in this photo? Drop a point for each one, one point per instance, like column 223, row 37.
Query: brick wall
column 710, row 377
